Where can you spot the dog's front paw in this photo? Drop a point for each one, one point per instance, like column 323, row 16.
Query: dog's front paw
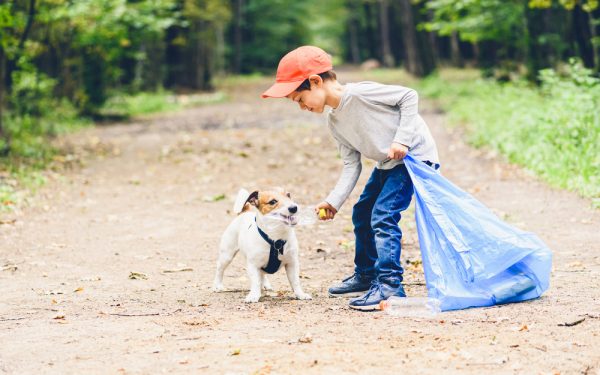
column 218, row 288
column 252, row 298
column 304, row 296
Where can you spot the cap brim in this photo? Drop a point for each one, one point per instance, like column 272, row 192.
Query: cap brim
column 281, row 89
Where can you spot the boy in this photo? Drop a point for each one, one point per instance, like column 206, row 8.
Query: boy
column 380, row 122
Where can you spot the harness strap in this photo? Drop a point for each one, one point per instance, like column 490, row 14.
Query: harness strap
column 276, row 248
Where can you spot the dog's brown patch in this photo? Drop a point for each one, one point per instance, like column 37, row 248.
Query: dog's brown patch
column 268, row 200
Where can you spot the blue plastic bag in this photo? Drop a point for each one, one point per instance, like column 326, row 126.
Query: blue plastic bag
column 470, row 257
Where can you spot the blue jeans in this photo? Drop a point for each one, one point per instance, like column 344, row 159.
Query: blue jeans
column 375, row 217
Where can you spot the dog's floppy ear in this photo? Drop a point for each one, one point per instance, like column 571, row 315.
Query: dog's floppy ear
column 253, row 198
column 243, row 197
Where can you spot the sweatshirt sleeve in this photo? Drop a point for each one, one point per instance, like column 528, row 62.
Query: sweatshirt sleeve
column 409, row 110
column 348, row 178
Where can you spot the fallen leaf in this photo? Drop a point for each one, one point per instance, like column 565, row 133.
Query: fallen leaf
column 137, row 276
column 9, row 267
column 214, row 198
column 53, row 292
column 524, row 328
column 187, row 269
column 196, row 323
column 235, row 352
column 80, row 289
column 571, row 323
column 306, row 339
column 90, row 278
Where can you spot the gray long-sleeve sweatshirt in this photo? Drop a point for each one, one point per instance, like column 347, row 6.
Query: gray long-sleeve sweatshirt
column 368, row 119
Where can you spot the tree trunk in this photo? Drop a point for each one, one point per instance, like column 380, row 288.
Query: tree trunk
column 371, row 35
column 595, row 41
column 238, row 33
column 476, row 53
column 353, row 33
column 386, row 53
column 455, row 54
column 220, row 50
column 433, row 42
column 582, row 36
column 11, row 65
column 409, row 36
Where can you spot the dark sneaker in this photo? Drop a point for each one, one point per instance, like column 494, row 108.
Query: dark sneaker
column 379, row 292
column 352, row 286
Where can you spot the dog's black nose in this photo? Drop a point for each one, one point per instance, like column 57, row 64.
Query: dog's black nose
column 293, row 209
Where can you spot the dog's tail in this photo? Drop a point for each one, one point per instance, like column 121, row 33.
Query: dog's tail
column 240, row 201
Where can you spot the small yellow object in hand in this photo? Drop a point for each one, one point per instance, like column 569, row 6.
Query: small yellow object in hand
column 322, row 213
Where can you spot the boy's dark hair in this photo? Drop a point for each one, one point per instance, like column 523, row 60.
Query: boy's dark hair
column 328, row 75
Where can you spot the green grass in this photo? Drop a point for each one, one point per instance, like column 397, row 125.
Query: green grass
column 241, row 79
column 145, row 103
column 552, row 129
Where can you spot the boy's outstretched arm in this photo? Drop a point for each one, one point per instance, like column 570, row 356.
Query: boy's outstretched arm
column 409, row 110
column 346, row 182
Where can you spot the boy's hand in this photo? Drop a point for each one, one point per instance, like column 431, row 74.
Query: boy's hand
column 397, row 151
column 329, row 210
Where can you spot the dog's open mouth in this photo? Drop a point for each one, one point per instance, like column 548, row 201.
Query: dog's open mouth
column 290, row 220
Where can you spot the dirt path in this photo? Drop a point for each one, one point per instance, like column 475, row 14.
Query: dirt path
column 144, row 202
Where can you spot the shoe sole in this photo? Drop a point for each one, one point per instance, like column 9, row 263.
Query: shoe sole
column 349, row 295
column 366, row 308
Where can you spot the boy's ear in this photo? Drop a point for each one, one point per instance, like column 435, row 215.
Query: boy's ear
column 315, row 80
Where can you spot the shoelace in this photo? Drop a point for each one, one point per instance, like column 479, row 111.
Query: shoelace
column 375, row 286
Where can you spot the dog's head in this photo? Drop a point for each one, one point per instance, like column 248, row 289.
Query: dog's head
column 275, row 203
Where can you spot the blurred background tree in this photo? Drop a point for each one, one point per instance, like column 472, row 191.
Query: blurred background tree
column 76, row 54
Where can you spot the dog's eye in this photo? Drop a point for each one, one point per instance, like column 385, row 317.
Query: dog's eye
column 273, row 202
column 288, row 195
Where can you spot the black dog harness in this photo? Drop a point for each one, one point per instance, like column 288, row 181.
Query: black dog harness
column 275, row 249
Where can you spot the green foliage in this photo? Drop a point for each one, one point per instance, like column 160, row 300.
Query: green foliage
column 274, row 28
column 106, row 32
column 586, row 5
column 29, row 134
column 17, row 183
column 476, row 20
column 553, row 130
column 35, row 113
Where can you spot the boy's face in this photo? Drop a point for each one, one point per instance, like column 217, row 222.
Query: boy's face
column 312, row 100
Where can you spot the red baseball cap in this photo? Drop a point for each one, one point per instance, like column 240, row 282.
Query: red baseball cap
column 297, row 66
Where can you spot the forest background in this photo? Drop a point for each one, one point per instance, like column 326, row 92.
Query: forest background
column 521, row 75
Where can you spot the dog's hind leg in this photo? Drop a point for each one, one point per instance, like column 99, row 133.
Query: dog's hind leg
column 227, row 250
column 225, row 258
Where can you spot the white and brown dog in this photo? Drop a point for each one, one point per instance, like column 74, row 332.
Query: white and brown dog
column 267, row 239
